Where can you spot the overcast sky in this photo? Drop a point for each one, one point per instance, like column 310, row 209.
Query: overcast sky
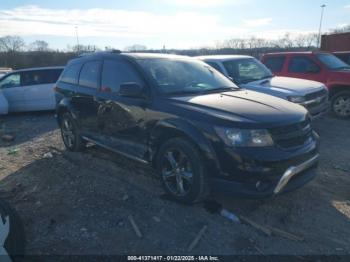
column 173, row 23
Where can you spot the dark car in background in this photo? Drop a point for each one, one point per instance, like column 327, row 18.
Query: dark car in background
column 198, row 129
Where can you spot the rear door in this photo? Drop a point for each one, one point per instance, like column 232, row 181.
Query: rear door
column 275, row 64
column 13, row 92
column 38, row 88
column 83, row 99
column 121, row 119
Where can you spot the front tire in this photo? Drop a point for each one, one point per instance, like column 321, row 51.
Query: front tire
column 182, row 172
column 341, row 104
column 70, row 134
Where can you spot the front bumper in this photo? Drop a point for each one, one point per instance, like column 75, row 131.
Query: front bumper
column 263, row 172
column 293, row 178
column 317, row 108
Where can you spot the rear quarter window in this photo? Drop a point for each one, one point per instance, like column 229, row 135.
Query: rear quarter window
column 71, row 73
column 89, row 74
column 275, row 64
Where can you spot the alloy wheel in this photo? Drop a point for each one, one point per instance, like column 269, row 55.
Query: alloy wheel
column 342, row 106
column 177, row 172
column 68, row 132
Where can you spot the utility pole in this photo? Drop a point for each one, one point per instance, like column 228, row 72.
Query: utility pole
column 320, row 28
column 76, row 34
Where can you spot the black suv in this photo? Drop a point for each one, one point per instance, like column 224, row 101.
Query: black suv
column 199, row 130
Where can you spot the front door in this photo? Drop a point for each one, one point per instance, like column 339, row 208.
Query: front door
column 121, row 120
column 13, row 92
column 305, row 68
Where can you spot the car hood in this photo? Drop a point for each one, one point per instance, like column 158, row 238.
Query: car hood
column 286, row 86
column 244, row 106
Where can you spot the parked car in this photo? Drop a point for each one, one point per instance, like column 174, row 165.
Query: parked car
column 317, row 66
column 344, row 56
column 195, row 126
column 30, row 89
column 249, row 73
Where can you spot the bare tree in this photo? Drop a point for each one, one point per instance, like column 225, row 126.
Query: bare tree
column 11, row 43
column 39, row 45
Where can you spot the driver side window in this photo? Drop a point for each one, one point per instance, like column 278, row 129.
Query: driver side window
column 13, row 80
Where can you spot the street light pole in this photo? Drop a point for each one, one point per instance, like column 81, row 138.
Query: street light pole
column 320, row 28
column 76, row 34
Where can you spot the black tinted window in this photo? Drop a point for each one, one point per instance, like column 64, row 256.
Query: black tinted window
column 89, row 74
column 53, row 74
column 215, row 65
column 40, row 77
column 71, row 73
column 302, row 65
column 275, row 64
column 114, row 73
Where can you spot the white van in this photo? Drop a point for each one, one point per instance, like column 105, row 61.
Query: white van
column 29, row 89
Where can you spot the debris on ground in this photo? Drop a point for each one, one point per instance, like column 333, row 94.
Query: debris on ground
column 229, row 215
column 197, row 238
column 269, row 230
column 265, row 230
column 337, row 167
column 48, row 155
column 12, row 151
column 134, row 226
column 8, row 138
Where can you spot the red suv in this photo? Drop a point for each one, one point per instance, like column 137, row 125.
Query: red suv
column 318, row 66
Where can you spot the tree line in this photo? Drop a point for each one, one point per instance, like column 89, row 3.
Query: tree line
column 15, row 53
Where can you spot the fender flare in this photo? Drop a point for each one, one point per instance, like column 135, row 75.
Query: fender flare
column 186, row 129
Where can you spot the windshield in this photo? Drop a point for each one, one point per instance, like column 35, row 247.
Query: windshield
column 184, row 76
column 332, row 62
column 246, row 70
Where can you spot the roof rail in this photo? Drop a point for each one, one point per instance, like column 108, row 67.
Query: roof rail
column 113, row 51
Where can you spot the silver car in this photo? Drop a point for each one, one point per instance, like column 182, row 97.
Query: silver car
column 249, row 73
column 29, row 89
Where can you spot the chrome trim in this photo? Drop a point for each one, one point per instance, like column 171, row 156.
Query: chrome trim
column 315, row 100
column 292, row 171
column 116, row 151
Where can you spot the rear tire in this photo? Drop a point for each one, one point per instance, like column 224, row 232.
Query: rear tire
column 340, row 104
column 70, row 134
column 182, row 171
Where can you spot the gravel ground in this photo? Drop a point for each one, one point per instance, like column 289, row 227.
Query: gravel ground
column 80, row 203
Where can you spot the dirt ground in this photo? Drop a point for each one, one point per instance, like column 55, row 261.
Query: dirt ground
column 79, row 203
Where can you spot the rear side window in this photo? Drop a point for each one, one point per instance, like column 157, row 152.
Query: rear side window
column 115, row 73
column 71, row 73
column 40, row 77
column 301, row 64
column 89, row 75
column 215, row 65
column 275, row 64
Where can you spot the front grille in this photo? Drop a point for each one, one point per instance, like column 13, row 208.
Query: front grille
column 292, row 135
column 314, row 95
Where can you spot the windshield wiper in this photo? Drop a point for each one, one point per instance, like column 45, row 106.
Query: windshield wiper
column 220, row 89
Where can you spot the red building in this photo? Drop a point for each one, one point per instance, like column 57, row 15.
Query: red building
column 336, row 42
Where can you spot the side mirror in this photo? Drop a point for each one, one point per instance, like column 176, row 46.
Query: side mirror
column 131, row 90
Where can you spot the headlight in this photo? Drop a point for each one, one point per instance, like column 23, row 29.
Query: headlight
column 244, row 137
column 296, row 99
